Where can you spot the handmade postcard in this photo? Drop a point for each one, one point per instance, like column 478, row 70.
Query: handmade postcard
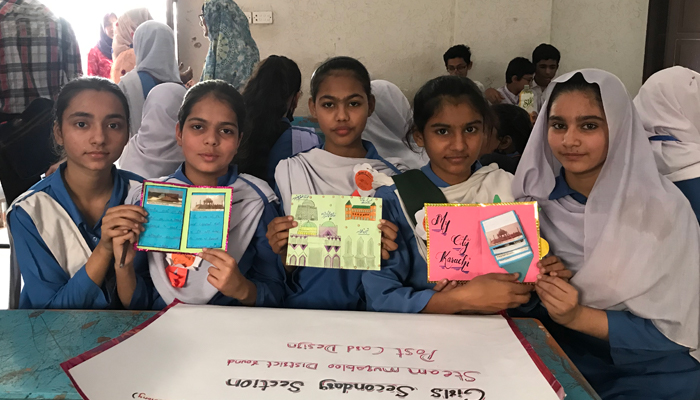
column 185, row 219
column 335, row 232
column 468, row 240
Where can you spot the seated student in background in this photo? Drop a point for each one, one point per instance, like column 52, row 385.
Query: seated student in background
column 154, row 45
column 507, row 141
column 209, row 130
column 518, row 75
column 341, row 100
column 450, row 121
column 271, row 96
column 669, row 106
column 546, row 59
column 69, row 228
column 458, row 61
column 387, row 126
column 153, row 152
column 629, row 317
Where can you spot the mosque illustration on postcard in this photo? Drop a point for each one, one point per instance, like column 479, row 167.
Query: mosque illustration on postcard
column 335, row 232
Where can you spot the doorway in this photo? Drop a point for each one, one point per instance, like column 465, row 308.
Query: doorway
column 85, row 17
column 673, row 35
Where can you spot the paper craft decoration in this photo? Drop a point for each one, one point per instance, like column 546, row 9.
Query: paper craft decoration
column 468, row 240
column 309, row 354
column 185, row 219
column 335, row 232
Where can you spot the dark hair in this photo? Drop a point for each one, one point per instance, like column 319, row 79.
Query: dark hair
column 576, row 83
column 515, row 122
column 79, row 85
column 519, row 67
column 340, row 64
column 458, row 51
column 268, row 92
column 545, row 52
column 429, row 99
column 106, row 18
column 220, row 90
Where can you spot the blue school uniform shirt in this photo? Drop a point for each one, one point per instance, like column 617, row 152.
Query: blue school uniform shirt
column 46, row 284
column 402, row 283
column 637, row 362
column 259, row 263
column 284, row 148
column 330, row 289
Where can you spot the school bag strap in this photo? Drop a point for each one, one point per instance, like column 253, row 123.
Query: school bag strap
column 415, row 190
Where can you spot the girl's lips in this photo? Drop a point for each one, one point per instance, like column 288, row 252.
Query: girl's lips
column 209, row 156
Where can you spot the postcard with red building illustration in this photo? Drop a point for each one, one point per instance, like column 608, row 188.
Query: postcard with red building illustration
column 335, row 232
column 468, row 240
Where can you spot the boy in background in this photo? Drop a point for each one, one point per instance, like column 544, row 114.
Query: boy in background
column 458, row 61
column 519, row 74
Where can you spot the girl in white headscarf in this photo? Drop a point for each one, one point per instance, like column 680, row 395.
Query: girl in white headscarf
column 153, row 152
column 156, row 62
column 669, row 106
column 629, row 316
column 387, row 126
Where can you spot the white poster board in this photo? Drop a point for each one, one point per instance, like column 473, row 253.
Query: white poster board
column 210, row 353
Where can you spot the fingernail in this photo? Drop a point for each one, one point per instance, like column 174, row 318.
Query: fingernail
column 539, row 276
column 289, row 218
column 517, row 275
column 553, row 274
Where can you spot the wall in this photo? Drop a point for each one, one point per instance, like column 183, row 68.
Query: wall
column 403, row 40
column 605, row 34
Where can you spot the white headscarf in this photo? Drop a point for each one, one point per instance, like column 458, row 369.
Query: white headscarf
column 153, row 152
column 126, row 26
column 669, row 105
column 387, row 126
column 154, row 45
column 634, row 245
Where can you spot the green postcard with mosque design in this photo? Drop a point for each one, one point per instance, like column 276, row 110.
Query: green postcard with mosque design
column 338, row 232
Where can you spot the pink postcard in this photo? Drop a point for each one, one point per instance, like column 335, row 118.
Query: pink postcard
column 468, row 240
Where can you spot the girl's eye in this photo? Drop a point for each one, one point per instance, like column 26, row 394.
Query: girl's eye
column 442, row 131
column 354, row 104
column 589, row 126
column 114, row 125
column 197, row 127
column 327, row 105
column 81, row 124
column 228, row 131
column 471, row 129
column 558, row 126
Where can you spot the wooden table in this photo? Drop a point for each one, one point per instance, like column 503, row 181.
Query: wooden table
column 34, row 343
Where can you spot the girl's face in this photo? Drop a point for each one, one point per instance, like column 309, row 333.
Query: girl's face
column 453, row 139
column 578, row 133
column 94, row 130
column 210, row 137
column 342, row 108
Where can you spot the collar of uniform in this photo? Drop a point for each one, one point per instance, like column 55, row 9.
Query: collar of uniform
column 58, row 186
column 562, row 189
column 226, row 180
column 428, row 171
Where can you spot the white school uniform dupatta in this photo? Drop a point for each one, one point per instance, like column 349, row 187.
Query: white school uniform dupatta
column 633, row 245
column 320, row 172
column 669, row 105
column 247, row 207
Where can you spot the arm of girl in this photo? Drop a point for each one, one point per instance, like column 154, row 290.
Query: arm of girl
column 488, row 293
column 123, row 224
column 278, row 236
column 560, row 299
column 225, row 276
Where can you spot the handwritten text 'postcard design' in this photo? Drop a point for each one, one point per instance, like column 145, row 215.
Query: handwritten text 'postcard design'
column 185, row 219
column 335, row 232
column 468, row 240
